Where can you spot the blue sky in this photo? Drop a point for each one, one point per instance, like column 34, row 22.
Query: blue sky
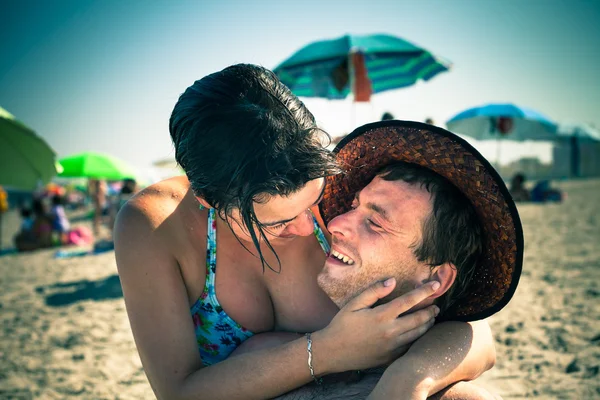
column 105, row 75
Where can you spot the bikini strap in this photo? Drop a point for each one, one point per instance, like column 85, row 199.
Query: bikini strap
column 321, row 236
column 211, row 248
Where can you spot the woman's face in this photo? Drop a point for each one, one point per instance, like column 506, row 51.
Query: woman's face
column 284, row 217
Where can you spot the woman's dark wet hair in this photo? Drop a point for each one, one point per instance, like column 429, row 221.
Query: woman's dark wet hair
column 242, row 136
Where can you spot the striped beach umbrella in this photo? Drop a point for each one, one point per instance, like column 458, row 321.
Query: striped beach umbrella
column 362, row 65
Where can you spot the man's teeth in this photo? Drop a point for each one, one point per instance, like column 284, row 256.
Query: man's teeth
column 342, row 257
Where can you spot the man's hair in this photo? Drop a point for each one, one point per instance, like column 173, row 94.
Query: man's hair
column 242, row 137
column 451, row 233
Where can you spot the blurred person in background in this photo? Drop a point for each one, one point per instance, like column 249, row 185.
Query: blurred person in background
column 40, row 234
column 97, row 190
column 517, row 188
column 544, row 192
column 255, row 165
column 26, row 219
column 60, row 222
column 387, row 116
column 128, row 190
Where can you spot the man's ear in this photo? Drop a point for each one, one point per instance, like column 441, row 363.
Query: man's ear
column 445, row 274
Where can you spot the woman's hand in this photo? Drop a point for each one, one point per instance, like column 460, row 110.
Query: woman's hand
column 362, row 337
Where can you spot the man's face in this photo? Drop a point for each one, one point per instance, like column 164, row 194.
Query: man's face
column 376, row 240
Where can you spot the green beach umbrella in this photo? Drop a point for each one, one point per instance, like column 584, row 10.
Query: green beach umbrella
column 26, row 160
column 96, row 166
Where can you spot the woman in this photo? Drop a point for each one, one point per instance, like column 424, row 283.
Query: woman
column 255, row 166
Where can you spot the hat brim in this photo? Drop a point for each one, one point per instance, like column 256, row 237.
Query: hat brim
column 371, row 147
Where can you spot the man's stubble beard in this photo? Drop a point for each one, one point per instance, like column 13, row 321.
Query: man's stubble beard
column 341, row 291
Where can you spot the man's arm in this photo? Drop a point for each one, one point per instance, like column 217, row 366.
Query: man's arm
column 360, row 390
column 450, row 352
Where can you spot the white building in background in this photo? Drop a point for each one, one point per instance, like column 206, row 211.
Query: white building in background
column 564, row 154
column 577, row 154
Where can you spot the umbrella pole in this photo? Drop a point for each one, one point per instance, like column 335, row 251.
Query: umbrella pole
column 498, row 152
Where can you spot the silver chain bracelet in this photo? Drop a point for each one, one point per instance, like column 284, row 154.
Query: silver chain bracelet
column 318, row 381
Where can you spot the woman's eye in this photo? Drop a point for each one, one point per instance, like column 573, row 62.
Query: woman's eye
column 278, row 226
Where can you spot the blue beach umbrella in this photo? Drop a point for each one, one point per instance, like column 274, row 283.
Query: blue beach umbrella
column 503, row 121
column 362, row 65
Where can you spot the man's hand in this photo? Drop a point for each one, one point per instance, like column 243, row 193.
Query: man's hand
column 361, row 337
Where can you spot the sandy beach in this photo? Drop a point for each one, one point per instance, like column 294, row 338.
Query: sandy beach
column 65, row 331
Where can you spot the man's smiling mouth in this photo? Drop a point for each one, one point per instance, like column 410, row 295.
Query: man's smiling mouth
column 342, row 257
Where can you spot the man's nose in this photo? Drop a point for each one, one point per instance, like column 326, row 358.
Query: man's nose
column 340, row 225
column 303, row 225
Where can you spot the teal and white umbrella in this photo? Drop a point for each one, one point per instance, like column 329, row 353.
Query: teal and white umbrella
column 325, row 68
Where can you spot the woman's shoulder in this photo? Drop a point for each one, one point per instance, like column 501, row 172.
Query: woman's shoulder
column 161, row 208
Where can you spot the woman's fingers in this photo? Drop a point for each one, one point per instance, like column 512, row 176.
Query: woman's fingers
column 370, row 295
column 408, row 300
column 412, row 335
column 416, row 319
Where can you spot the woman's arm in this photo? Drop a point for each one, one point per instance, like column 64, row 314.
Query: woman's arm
column 450, row 352
column 157, row 306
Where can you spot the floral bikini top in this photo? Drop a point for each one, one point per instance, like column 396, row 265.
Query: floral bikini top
column 216, row 333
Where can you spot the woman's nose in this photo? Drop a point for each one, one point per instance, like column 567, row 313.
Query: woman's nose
column 303, row 225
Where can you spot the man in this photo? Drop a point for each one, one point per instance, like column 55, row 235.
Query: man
column 418, row 204
column 410, row 224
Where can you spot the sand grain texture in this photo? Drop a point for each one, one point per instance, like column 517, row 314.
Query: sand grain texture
column 65, row 332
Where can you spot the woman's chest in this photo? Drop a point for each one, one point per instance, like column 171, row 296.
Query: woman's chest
column 284, row 296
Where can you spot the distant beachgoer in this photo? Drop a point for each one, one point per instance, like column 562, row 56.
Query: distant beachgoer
column 517, row 188
column 543, row 192
column 386, row 116
column 97, row 189
column 60, row 222
column 40, row 234
column 128, row 190
column 42, row 225
column 429, row 121
column 26, row 220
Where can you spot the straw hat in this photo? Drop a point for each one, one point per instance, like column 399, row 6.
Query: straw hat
column 369, row 148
